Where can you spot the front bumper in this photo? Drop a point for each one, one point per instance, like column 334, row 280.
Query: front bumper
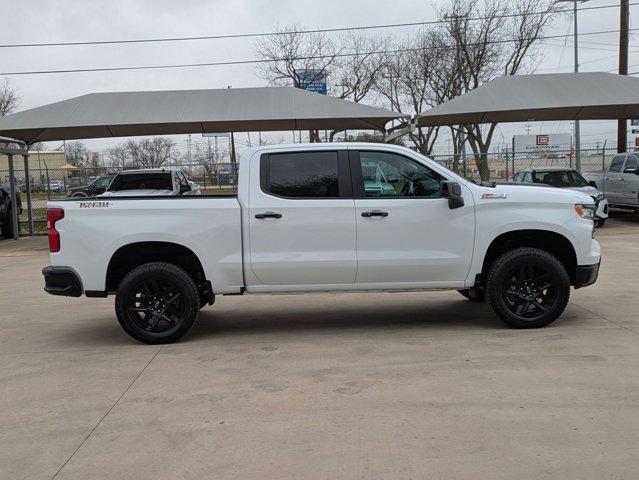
column 62, row 281
column 586, row 275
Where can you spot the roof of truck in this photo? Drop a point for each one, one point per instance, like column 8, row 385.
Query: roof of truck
column 547, row 169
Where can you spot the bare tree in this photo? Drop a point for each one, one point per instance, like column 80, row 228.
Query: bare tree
column 208, row 158
column 148, row 152
column 8, row 98
column 77, row 154
column 408, row 79
column 491, row 39
column 290, row 55
column 296, row 59
column 358, row 72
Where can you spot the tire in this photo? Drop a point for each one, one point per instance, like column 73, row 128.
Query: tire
column 527, row 288
column 473, row 294
column 7, row 226
column 600, row 222
column 172, row 305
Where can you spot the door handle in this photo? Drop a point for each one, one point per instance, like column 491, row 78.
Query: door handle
column 374, row 213
column 261, row 216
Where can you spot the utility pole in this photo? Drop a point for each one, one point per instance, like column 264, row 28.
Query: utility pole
column 622, row 128
column 576, row 42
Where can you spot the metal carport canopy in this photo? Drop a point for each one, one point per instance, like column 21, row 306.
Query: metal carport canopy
column 558, row 96
column 122, row 114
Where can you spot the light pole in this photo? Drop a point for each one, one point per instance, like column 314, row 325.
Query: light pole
column 576, row 41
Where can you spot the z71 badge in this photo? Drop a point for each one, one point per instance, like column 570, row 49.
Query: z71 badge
column 493, row 196
column 95, row 204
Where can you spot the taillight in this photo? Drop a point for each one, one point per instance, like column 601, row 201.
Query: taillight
column 53, row 215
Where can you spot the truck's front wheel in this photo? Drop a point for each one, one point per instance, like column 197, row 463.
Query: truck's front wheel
column 527, row 288
column 157, row 303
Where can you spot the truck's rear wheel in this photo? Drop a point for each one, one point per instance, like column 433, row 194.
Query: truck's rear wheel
column 527, row 288
column 157, row 303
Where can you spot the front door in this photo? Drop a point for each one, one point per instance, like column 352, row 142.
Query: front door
column 406, row 233
column 630, row 179
column 302, row 219
column 613, row 180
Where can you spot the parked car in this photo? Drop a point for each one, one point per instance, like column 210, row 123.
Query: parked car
column 562, row 177
column 96, row 187
column 302, row 221
column 150, row 182
column 621, row 182
column 56, row 186
column 6, row 210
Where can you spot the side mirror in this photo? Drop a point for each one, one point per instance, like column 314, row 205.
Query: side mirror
column 592, row 183
column 184, row 188
column 452, row 191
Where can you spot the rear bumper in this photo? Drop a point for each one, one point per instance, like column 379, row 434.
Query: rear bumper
column 62, row 281
column 586, row 275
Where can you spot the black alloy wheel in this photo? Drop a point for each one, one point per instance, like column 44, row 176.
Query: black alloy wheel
column 527, row 288
column 157, row 303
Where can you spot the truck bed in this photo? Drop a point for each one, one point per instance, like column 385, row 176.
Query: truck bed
column 93, row 229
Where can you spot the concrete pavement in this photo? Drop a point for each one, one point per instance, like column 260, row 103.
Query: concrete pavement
column 404, row 385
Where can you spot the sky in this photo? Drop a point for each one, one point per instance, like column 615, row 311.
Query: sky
column 80, row 20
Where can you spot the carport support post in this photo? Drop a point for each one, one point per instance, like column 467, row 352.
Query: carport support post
column 28, row 180
column 14, row 203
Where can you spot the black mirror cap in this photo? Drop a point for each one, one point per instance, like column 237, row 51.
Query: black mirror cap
column 453, row 192
column 185, row 188
column 592, row 183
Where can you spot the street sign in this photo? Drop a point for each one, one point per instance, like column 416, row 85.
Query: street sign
column 635, row 131
column 546, row 143
column 634, row 122
column 313, row 80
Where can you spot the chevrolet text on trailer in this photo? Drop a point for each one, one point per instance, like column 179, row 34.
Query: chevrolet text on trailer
column 325, row 217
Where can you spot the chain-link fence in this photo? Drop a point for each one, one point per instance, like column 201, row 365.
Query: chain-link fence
column 221, row 179
column 503, row 165
column 58, row 183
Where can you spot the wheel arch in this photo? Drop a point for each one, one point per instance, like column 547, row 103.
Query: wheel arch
column 549, row 241
column 132, row 255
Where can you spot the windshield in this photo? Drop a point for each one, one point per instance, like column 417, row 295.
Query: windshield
column 142, row 181
column 561, row 179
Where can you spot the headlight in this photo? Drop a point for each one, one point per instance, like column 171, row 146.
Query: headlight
column 585, row 211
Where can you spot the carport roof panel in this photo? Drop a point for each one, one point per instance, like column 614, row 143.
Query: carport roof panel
column 121, row 114
column 559, row 96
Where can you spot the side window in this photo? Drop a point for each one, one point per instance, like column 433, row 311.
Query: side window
column 631, row 163
column 617, row 164
column 391, row 175
column 104, row 182
column 301, row 175
column 527, row 177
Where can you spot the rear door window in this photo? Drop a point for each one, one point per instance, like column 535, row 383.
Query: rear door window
column 301, row 175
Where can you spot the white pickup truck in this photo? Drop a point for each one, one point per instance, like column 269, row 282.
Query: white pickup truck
column 325, row 217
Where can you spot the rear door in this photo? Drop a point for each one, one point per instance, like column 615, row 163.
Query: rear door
column 613, row 180
column 406, row 234
column 302, row 219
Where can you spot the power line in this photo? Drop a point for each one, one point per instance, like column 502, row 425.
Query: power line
column 295, row 32
column 260, row 61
